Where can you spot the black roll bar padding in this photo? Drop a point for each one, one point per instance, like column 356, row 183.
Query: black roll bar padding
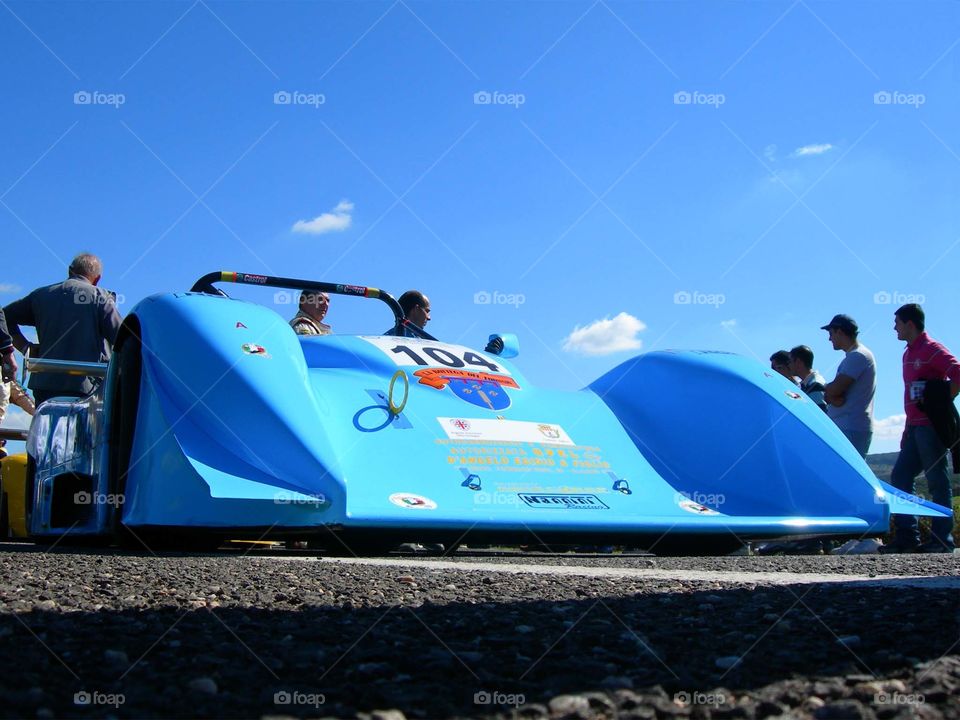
column 205, row 285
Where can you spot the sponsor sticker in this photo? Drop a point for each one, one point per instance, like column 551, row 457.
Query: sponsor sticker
column 352, row 289
column 413, row 502
column 504, row 431
column 563, row 502
column 258, row 279
column 696, row 508
column 254, row 349
column 791, row 394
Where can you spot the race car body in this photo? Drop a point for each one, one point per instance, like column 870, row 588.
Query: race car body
column 214, row 417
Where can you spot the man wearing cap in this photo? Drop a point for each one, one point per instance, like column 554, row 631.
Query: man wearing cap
column 925, row 363
column 850, row 396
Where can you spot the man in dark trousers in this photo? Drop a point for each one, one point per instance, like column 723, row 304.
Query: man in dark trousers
column 924, row 361
column 74, row 319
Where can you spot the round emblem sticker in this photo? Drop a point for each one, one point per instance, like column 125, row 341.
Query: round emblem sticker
column 696, row 508
column 254, row 349
column 412, row 502
column 793, row 395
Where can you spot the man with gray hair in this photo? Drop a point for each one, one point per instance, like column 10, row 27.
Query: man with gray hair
column 74, row 320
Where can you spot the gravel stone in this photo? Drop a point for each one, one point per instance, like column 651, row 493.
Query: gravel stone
column 564, row 706
column 204, row 685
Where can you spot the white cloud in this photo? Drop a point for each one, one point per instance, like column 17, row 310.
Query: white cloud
column 337, row 220
column 770, row 153
column 9, row 288
column 807, row 150
column 728, row 324
column 889, row 428
column 603, row 337
column 16, row 419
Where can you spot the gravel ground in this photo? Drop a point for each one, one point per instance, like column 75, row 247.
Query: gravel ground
column 105, row 633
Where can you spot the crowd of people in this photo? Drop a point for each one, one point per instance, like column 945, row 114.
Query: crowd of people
column 931, row 377
column 76, row 320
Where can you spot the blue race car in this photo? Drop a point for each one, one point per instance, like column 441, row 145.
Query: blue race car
column 216, row 421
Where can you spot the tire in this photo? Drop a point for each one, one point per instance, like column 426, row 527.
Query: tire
column 4, row 517
column 704, row 546
column 126, row 402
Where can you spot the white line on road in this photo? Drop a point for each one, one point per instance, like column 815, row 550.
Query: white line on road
column 719, row 576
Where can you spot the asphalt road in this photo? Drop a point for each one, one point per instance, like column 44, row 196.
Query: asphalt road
column 119, row 634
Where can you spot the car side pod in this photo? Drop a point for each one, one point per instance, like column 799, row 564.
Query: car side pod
column 723, row 425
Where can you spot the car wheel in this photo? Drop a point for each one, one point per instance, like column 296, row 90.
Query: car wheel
column 704, row 546
column 4, row 517
column 126, row 401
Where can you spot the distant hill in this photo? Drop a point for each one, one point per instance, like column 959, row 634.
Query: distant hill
column 882, row 464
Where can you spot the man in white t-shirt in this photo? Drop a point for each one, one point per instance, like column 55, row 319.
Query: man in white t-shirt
column 850, row 396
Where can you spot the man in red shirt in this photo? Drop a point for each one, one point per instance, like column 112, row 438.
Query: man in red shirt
column 921, row 447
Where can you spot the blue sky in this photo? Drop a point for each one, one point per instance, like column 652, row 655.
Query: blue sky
column 586, row 166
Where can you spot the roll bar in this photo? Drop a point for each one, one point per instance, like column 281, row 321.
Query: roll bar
column 205, row 285
column 13, row 434
column 66, row 367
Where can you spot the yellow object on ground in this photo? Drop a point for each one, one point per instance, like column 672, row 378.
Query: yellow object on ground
column 13, row 481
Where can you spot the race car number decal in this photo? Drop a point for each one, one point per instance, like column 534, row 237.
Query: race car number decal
column 414, row 351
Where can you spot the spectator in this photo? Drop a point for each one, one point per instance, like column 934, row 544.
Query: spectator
column 780, row 361
column 74, row 319
column 416, row 310
column 811, row 382
column 12, row 392
column 850, row 396
column 9, row 387
column 921, row 447
column 8, row 361
column 309, row 318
